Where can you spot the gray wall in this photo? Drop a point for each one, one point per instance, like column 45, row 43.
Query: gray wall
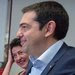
column 3, row 15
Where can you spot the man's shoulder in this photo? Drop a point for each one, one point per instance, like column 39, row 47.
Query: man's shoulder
column 65, row 64
column 69, row 50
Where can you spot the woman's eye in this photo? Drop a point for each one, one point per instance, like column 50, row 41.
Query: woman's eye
column 20, row 53
column 15, row 56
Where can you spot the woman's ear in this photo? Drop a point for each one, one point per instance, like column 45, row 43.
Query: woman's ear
column 50, row 28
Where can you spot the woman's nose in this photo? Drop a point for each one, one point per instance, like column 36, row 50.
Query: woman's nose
column 18, row 57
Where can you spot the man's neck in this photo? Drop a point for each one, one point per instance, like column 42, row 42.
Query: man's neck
column 40, row 50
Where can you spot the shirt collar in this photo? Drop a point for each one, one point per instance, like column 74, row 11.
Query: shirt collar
column 47, row 56
column 37, row 63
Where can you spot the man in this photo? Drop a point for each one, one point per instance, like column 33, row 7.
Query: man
column 42, row 28
column 16, row 55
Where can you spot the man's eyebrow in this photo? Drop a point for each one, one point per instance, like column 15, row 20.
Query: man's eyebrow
column 23, row 24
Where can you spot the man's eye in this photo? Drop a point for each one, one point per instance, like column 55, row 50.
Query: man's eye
column 23, row 27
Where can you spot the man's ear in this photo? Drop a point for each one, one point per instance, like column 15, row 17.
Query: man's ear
column 50, row 28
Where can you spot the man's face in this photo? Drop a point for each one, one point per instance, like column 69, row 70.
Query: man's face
column 29, row 33
column 20, row 57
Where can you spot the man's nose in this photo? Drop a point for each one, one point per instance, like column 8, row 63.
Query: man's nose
column 19, row 33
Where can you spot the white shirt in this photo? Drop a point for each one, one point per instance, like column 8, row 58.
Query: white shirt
column 40, row 63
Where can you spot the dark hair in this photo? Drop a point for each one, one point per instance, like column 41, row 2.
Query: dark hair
column 51, row 10
column 15, row 42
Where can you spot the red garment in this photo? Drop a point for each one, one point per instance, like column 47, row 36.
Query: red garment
column 1, row 71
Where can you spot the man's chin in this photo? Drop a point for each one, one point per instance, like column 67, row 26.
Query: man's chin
column 25, row 49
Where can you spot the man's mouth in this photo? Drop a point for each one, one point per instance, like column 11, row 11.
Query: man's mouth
column 23, row 42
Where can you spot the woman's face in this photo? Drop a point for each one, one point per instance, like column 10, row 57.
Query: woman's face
column 20, row 57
